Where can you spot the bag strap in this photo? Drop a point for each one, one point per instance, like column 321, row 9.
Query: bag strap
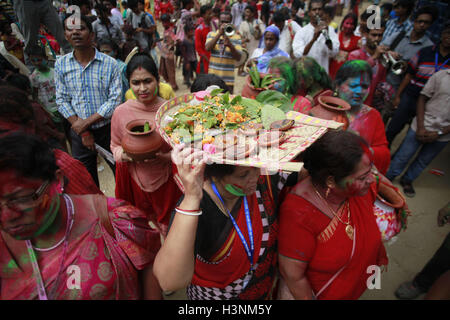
column 103, row 214
column 397, row 40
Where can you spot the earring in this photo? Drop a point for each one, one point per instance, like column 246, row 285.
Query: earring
column 327, row 193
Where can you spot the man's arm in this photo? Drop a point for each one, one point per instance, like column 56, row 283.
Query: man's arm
column 212, row 41
column 299, row 45
column 63, row 98
column 335, row 44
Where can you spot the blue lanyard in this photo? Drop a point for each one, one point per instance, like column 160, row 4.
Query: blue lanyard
column 250, row 251
column 438, row 67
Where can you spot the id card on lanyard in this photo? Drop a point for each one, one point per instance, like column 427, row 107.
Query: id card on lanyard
column 438, row 67
column 250, row 250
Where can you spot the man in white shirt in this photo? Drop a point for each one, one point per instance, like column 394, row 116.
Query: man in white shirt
column 237, row 11
column 288, row 28
column 312, row 42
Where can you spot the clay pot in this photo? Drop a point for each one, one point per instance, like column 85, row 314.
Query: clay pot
column 141, row 145
column 249, row 91
column 328, row 109
column 385, row 208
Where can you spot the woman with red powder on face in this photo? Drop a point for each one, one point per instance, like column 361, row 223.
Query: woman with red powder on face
column 328, row 232
column 46, row 232
column 149, row 184
column 348, row 42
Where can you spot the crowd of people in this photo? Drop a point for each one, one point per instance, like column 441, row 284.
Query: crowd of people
column 71, row 86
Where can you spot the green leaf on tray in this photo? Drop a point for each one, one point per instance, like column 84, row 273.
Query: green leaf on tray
column 270, row 114
column 215, row 92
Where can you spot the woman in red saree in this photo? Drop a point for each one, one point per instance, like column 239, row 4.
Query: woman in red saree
column 348, row 42
column 60, row 246
column 222, row 240
column 328, row 233
column 148, row 185
column 352, row 85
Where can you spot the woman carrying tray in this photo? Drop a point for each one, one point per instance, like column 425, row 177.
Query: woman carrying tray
column 148, row 185
column 352, row 84
column 328, row 232
column 222, row 240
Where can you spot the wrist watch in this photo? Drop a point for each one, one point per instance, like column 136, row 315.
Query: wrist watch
column 440, row 132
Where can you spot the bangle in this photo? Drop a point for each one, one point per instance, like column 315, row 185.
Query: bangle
column 190, row 212
column 85, row 133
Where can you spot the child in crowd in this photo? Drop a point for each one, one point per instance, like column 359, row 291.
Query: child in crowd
column 189, row 55
column 43, row 86
column 167, row 49
column 130, row 42
column 12, row 44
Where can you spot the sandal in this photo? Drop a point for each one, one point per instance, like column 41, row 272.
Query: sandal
column 408, row 188
column 407, row 291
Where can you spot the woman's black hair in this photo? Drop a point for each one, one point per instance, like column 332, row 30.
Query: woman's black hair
column 15, row 106
column 19, row 81
column 108, row 42
column 28, row 156
column 351, row 69
column 203, row 81
column 142, row 60
column 218, row 171
column 335, row 154
column 351, row 15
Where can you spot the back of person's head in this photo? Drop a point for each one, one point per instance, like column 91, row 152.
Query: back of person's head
column 186, row 3
column 132, row 4
column 387, row 6
column 142, row 60
column 278, row 17
column 28, row 156
column 335, row 154
column 431, row 10
column 204, row 9
column 15, row 107
column 165, row 17
column 297, row 4
column 203, row 81
column 351, row 69
column 19, row 81
column 310, row 73
column 188, row 28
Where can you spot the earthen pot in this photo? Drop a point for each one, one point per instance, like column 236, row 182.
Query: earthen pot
column 249, row 91
column 331, row 108
column 141, row 145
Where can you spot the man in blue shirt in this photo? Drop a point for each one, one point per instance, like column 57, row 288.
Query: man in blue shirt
column 88, row 89
column 403, row 9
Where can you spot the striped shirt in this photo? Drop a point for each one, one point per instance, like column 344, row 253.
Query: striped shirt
column 393, row 27
column 222, row 65
column 422, row 66
column 82, row 92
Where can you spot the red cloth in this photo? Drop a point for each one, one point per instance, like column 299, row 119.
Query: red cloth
column 344, row 51
column 157, row 205
column 200, row 40
column 165, row 8
column 379, row 72
column 79, row 179
column 301, row 238
column 369, row 125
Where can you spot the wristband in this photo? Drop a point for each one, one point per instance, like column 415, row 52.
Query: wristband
column 190, row 212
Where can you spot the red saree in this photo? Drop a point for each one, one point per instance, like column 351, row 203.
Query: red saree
column 369, row 125
column 344, row 51
column 223, row 275
column 308, row 235
column 108, row 265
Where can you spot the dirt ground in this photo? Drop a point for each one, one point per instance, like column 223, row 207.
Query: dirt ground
column 411, row 249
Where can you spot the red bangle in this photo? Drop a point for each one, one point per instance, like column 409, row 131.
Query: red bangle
column 187, row 210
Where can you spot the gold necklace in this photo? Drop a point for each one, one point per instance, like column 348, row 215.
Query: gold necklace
column 348, row 228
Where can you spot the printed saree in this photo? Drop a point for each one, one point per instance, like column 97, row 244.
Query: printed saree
column 108, row 265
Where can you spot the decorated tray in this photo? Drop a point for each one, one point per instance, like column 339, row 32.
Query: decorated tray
column 239, row 131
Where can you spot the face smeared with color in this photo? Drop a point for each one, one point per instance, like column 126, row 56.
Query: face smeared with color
column 358, row 183
column 22, row 221
column 144, row 85
column 348, row 26
column 355, row 90
column 244, row 178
